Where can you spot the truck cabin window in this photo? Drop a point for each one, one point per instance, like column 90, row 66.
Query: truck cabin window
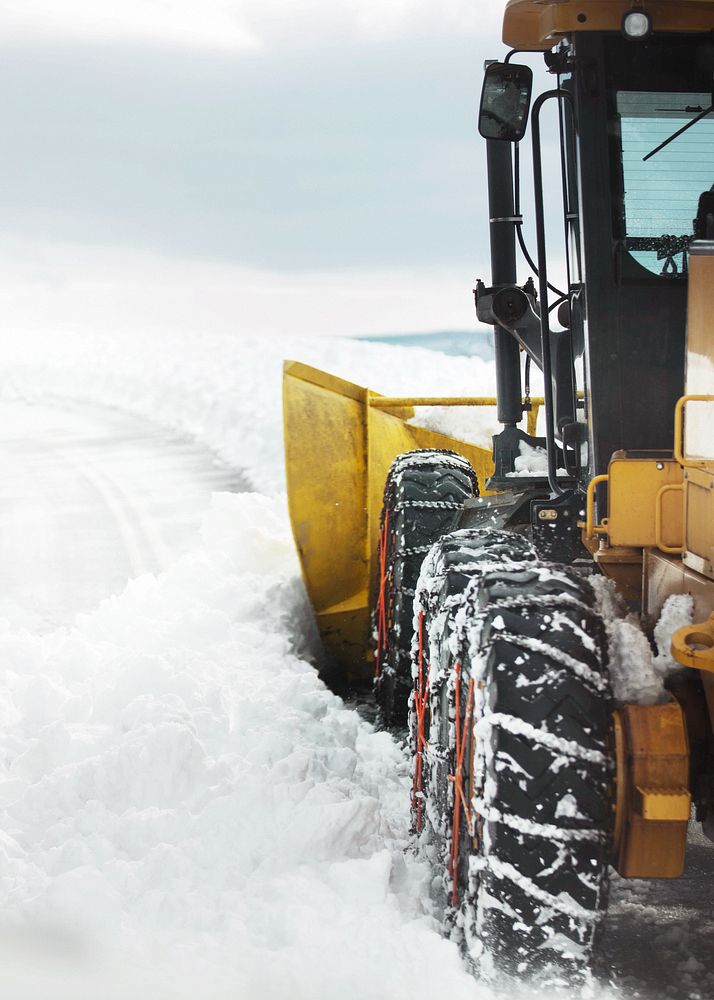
column 661, row 187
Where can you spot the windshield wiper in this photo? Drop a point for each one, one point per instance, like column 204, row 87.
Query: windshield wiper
column 675, row 135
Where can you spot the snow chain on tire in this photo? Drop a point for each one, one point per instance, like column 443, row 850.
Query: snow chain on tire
column 424, row 496
column 513, row 802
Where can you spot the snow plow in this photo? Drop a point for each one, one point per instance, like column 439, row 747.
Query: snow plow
column 353, row 435
column 550, row 635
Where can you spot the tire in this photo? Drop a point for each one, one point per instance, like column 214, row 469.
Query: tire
column 513, row 762
column 424, row 496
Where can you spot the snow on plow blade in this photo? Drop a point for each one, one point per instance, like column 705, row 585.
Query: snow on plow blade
column 340, row 440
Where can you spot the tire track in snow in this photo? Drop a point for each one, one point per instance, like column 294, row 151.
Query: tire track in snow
column 91, row 497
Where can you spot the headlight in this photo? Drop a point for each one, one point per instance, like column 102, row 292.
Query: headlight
column 636, row 24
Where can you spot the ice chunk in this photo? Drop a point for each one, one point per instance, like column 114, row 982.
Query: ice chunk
column 677, row 611
column 634, row 678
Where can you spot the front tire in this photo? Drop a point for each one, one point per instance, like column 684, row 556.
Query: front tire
column 516, row 764
column 424, row 496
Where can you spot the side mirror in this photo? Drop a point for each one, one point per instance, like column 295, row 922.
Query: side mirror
column 505, row 100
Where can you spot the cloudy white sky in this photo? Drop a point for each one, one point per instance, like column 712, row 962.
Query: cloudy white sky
column 258, row 165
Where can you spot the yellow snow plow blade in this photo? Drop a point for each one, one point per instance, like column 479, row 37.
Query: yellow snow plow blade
column 340, row 440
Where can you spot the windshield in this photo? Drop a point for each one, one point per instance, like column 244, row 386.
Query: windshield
column 661, row 193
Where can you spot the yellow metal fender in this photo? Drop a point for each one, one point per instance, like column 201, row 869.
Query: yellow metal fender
column 652, row 794
column 340, row 440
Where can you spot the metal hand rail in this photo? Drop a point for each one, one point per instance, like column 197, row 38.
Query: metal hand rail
column 686, row 463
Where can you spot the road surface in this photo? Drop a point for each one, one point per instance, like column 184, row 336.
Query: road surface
column 659, row 934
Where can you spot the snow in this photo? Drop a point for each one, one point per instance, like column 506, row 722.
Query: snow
column 634, row 678
column 632, row 671
column 538, row 646
column 638, row 675
column 547, row 830
column 177, row 776
column 562, row 903
column 185, row 808
column 677, row 611
column 224, row 390
column 568, row 806
column 518, row 727
column 476, row 424
column 532, row 461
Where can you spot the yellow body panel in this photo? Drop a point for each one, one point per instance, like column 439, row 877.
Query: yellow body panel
column 540, row 24
column 634, row 495
column 644, row 502
column 338, row 449
column 699, row 520
column 700, row 349
column 694, row 444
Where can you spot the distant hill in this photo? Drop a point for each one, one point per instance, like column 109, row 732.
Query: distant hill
column 466, row 343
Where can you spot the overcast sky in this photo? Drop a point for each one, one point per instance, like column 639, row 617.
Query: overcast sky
column 259, row 165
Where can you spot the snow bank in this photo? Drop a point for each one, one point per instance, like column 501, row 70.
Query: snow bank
column 186, row 810
column 226, row 391
column 185, row 805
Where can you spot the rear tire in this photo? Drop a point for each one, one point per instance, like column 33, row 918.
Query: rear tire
column 514, row 763
column 424, row 496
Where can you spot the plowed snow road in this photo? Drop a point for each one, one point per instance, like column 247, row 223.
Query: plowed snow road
column 89, row 498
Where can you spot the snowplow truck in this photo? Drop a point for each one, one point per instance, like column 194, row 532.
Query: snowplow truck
column 487, row 601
